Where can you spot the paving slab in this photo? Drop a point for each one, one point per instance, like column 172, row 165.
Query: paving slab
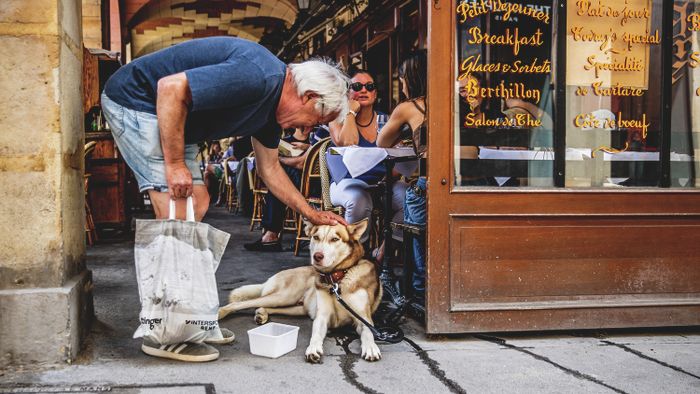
column 620, row 370
column 499, row 370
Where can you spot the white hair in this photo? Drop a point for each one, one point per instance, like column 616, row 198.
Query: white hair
column 323, row 77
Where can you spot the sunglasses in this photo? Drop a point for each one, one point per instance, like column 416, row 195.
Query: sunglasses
column 357, row 86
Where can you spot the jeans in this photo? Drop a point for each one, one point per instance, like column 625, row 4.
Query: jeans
column 415, row 213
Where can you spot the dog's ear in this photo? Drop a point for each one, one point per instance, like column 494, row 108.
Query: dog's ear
column 357, row 229
column 308, row 226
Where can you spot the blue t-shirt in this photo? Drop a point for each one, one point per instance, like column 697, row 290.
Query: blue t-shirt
column 236, row 85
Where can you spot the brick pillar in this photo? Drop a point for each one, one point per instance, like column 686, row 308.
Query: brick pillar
column 45, row 290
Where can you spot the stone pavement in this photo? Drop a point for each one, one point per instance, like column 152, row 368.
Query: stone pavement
column 622, row 361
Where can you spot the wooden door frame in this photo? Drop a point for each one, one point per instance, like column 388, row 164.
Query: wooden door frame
column 440, row 43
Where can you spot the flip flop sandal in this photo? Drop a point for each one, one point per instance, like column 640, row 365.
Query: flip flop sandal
column 186, row 351
column 228, row 335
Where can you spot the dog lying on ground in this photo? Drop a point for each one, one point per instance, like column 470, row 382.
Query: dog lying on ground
column 336, row 257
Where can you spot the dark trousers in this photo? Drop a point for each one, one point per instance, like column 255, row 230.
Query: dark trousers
column 273, row 213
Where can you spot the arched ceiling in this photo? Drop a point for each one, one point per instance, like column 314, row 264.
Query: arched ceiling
column 158, row 24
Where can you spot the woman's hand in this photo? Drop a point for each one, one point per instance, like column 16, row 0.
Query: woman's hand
column 354, row 105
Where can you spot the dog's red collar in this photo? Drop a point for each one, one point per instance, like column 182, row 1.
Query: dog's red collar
column 333, row 277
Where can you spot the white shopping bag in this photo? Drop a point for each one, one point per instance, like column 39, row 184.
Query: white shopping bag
column 175, row 265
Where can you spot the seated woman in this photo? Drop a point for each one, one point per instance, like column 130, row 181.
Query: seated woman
column 362, row 128
column 473, row 105
column 233, row 165
column 214, row 169
column 409, row 116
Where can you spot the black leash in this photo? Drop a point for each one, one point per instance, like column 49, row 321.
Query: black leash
column 384, row 334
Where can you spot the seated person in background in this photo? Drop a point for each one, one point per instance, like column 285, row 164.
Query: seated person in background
column 319, row 133
column 274, row 210
column 362, row 127
column 411, row 115
column 471, row 102
column 213, row 170
column 228, row 153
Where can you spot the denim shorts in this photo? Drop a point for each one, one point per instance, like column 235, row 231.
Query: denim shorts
column 138, row 139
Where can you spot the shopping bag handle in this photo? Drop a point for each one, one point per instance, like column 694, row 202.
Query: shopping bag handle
column 190, row 210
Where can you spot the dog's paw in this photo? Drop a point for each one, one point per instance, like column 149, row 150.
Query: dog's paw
column 261, row 316
column 314, row 354
column 370, row 352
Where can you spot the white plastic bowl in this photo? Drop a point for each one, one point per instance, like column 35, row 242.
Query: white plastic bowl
column 273, row 339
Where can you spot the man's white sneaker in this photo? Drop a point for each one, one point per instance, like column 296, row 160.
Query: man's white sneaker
column 186, row 351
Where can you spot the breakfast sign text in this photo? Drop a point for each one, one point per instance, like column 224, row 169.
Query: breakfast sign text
column 512, row 39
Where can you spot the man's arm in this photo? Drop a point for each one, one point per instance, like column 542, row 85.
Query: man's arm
column 269, row 168
column 172, row 103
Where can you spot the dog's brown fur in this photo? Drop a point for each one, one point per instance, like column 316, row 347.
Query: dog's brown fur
column 300, row 291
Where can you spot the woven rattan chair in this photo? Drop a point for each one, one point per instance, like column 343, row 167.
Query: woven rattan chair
column 310, row 175
column 326, row 203
column 257, row 186
column 290, row 221
column 230, row 185
column 90, row 232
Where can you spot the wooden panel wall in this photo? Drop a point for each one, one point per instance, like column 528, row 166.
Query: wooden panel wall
column 91, row 81
column 497, row 262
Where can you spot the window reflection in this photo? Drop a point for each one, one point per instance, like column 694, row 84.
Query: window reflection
column 503, row 92
column 613, row 94
column 685, row 118
column 613, row 101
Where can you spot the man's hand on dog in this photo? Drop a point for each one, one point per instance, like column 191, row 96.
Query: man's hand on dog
column 320, row 218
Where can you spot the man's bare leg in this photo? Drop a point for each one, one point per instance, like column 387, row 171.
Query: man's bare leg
column 161, row 203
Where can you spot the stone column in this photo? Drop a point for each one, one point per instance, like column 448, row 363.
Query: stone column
column 45, row 289
column 92, row 23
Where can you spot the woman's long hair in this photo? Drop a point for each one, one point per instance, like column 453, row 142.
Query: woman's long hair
column 414, row 71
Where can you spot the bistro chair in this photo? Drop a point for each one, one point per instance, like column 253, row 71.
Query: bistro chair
column 377, row 217
column 410, row 232
column 290, row 221
column 230, row 185
column 310, row 176
column 90, row 232
column 257, row 186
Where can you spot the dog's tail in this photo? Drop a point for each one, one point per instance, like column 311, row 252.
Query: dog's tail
column 246, row 292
